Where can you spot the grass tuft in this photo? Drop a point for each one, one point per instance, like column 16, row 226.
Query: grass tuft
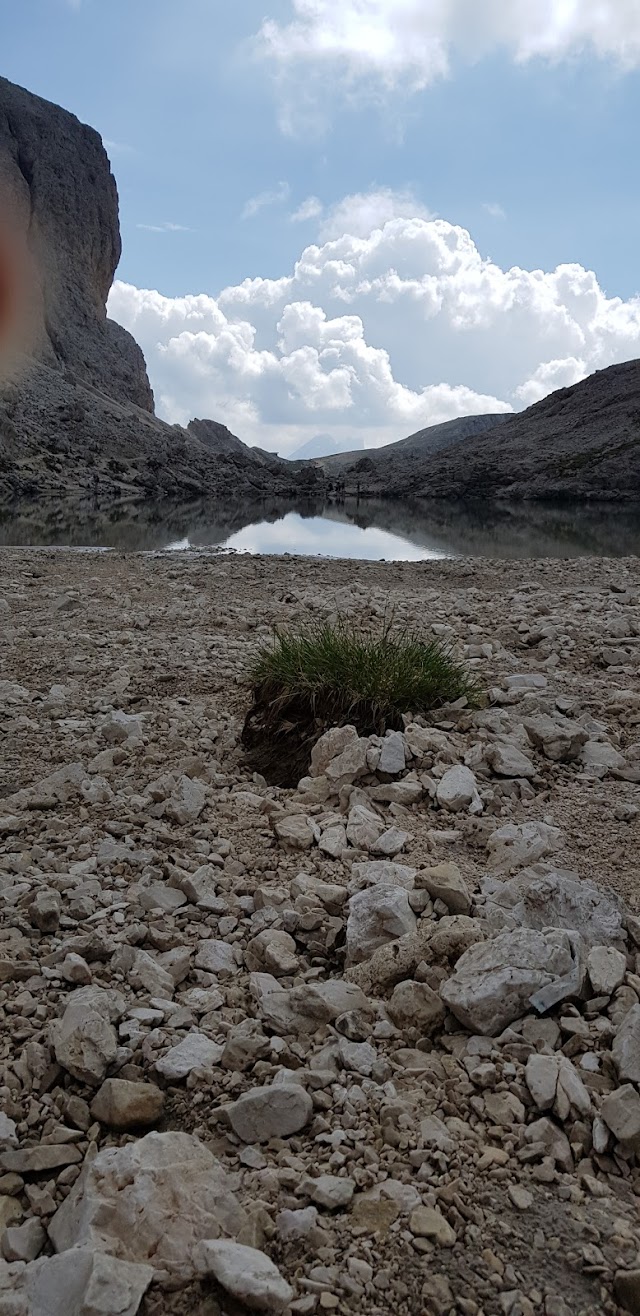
column 328, row 675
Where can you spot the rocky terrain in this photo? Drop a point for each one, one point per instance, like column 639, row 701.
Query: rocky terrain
column 76, row 408
column 372, row 1044
column 422, row 444
column 579, row 443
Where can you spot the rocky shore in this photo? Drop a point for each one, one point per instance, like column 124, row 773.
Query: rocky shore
column 368, row 1045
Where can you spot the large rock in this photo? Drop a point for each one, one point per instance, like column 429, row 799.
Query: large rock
column 626, row 1047
column 517, row 844
column 377, row 915
column 541, row 899
column 84, row 1282
column 84, row 1040
column 494, row 981
column 150, row 1201
column 558, row 738
column 60, row 197
column 457, row 791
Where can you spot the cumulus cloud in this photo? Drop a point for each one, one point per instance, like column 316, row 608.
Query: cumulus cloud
column 274, row 197
column 362, row 212
column 374, row 335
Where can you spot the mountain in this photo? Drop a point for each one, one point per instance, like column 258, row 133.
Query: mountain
column 76, row 408
column 581, row 442
column 321, row 445
column 423, row 442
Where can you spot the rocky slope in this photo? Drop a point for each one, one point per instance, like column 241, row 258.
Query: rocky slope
column 580, row 442
column 368, row 1045
column 76, row 410
column 435, row 438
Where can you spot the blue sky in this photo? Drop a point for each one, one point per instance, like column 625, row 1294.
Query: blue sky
column 219, row 129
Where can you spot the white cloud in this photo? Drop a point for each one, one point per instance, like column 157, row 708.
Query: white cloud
column 275, row 197
column 363, row 212
column 375, row 335
column 494, row 209
column 312, row 208
column 408, row 44
column 165, row 227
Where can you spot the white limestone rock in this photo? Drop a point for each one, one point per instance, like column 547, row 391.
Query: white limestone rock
column 196, row 1051
column 276, row 1111
column 377, row 915
column 150, row 1201
column 518, row 844
column 246, row 1273
column 457, row 791
column 494, row 981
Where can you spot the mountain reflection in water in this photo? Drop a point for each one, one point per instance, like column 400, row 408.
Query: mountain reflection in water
column 374, row 529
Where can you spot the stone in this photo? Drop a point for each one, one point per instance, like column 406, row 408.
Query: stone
column 392, row 754
column 187, row 801
column 124, row 1105
column 201, row 887
column 377, row 915
column 550, row 1141
column 10, row 1211
column 329, row 1191
column 275, row 950
column 119, row 727
column 540, row 899
column 457, row 791
column 333, row 841
column 36, row 1160
column 599, row 757
column 329, row 747
column 621, row 1113
column 571, row 1095
column 428, row 1222
column 246, row 1273
column 541, row 1076
column 509, row 761
column 296, row 1224
column 24, row 1242
column 415, row 1005
column 144, row 972
column 149, row 1201
column 445, row 882
column 559, row 739
column 45, row 910
column 520, row 1197
column 348, row 766
column 381, row 871
column 626, row 1047
column 277, row 1111
column 216, row 957
column 196, row 1051
column 493, row 981
column 626, row 1287
column 391, row 842
column 162, row 897
column 357, row 1057
column 518, row 844
column 85, row 1282
column 84, row 1040
column 8, row 1131
column 75, row 969
column 295, row 831
column 606, row 967
column 364, row 827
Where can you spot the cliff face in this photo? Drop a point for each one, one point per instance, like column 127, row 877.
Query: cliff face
column 76, row 412
column 60, row 199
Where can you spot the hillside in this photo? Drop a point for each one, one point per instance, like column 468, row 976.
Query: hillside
column 432, row 439
column 581, row 442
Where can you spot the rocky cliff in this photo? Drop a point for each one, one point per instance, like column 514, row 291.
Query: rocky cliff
column 76, row 410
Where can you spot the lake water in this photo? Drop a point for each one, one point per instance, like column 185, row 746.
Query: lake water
column 371, row 529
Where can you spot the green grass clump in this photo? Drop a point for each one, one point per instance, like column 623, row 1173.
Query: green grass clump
column 328, row 675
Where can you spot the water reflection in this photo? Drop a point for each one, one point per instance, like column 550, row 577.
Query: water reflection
column 373, row 529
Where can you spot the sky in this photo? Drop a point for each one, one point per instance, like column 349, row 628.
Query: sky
column 358, row 217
